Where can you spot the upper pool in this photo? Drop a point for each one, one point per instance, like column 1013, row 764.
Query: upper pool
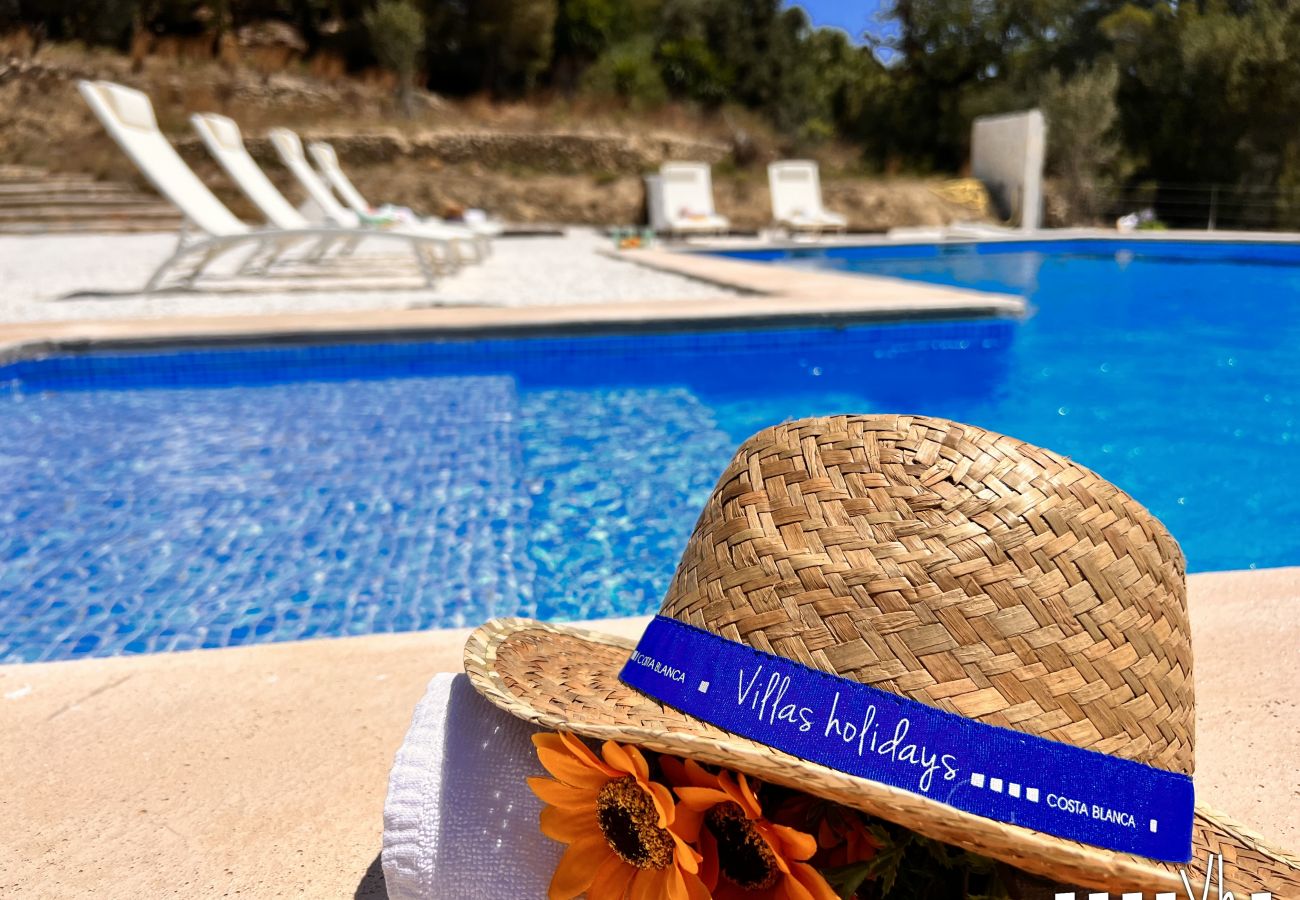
column 154, row 501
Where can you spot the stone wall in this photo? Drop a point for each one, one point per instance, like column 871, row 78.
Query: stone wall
column 548, row 197
column 546, row 151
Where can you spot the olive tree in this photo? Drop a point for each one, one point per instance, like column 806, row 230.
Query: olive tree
column 397, row 35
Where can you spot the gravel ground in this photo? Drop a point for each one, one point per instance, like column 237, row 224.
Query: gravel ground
column 96, row 277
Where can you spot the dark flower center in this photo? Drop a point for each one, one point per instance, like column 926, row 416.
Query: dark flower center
column 630, row 823
column 743, row 856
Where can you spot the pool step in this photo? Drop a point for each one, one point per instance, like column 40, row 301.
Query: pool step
column 33, row 201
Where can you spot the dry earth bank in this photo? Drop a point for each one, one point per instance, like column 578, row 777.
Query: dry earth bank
column 561, row 163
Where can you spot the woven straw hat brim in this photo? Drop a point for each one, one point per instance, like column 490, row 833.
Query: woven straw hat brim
column 565, row 678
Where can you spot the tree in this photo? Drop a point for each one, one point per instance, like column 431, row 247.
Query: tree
column 503, row 46
column 1082, row 149
column 627, row 71
column 397, row 35
column 587, row 31
column 689, row 61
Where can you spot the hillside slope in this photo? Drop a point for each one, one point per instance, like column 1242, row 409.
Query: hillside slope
column 556, row 163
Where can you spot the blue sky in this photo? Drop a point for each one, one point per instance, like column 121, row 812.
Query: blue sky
column 854, row 16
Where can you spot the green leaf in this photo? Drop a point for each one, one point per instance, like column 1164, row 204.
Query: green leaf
column 887, row 864
column 847, row 880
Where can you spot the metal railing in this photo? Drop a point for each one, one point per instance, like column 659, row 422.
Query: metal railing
column 1210, row 205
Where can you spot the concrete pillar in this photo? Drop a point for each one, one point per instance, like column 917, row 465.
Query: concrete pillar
column 1006, row 153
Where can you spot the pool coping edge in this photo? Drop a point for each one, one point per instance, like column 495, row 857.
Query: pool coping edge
column 767, row 296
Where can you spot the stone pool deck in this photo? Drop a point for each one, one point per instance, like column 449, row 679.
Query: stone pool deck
column 261, row 771
column 571, row 284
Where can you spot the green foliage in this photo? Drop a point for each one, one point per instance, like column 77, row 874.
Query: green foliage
column 504, row 46
column 583, row 28
column 629, row 72
column 397, row 34
column 396, row 31
column 691, row 69
column 1082, row 148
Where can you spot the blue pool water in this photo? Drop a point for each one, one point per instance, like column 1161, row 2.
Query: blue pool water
column 158, row 501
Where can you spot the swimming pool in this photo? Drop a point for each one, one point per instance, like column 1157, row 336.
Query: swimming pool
column 204, row 498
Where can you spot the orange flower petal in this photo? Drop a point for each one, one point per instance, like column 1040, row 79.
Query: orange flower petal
column 568, row 824
column 701, row 798
column 749, row 803
column 649, row 884
column 570, row 744
column 687, row 859
column 625, row 759
column 774, row 844
column 555, row 742
column 663, row 800
column 738, row 792
column 729, row 787
column 578, row 867
column 790, row 889
column 675, row 883
column 812, row 882
column 565, row 767
column 687, row 822
column 564, row 795
column 686, row 773
column 612, row 880
column 795, row 844
column 708, row 859
column 695, row 889
column 698, row 772
column 674, row 770
column 583, row 753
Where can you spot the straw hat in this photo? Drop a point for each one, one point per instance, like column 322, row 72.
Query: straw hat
column 950, row 566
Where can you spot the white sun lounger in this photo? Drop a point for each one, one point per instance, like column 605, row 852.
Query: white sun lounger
column 327, row 161
column 222, row 138
column 687, row 197
column 210, row 229
column 289, row 147
column 224, row 141
column 797, row 198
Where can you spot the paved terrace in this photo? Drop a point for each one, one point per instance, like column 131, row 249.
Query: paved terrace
column 261, row 771
column 77, row 289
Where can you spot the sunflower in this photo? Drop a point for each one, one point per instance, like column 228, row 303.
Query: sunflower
column 843, row 837
column 746, row 857
column 618, row 824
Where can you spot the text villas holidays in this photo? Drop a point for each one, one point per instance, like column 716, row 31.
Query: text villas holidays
column 767, row 699
column 869, row 737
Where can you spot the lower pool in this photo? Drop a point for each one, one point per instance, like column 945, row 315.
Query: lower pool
column 208, row 498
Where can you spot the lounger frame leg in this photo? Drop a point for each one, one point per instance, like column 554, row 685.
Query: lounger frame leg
column 276, row 249
column 431, row 256
column 185, row 246
column 422, row 260
column 322, row 247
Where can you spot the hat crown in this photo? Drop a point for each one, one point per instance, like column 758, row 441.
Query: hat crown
column 956, row 567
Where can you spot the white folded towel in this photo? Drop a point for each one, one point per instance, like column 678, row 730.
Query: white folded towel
column 460, row 821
